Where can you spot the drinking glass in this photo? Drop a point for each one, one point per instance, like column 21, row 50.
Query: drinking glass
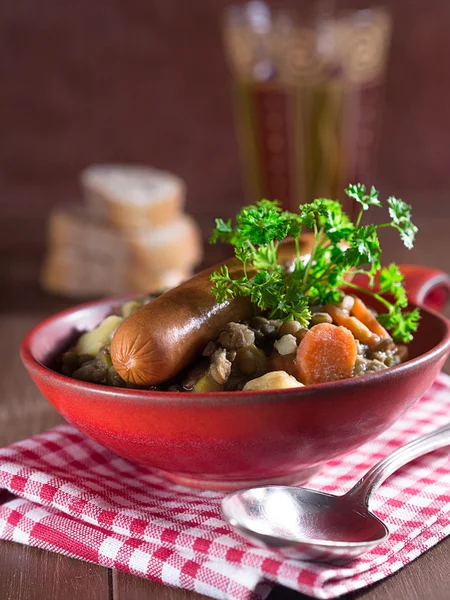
column 307, row 91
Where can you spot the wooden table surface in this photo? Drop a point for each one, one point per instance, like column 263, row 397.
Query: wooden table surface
column 31, row 574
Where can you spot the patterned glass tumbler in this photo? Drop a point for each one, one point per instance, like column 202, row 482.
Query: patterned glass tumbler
column 307, row 93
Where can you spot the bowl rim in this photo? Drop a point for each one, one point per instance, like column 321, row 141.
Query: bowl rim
column 32, row 364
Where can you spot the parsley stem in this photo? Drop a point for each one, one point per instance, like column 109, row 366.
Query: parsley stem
column 297, row 248
column 274, row 248
column 317, row 241
column 383, row 301
column 332, row 267
column 358, row 220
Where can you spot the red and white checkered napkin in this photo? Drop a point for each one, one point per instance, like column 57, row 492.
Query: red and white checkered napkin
column 76, row 498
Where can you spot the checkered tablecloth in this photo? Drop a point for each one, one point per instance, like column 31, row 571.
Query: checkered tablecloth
column 74, row 497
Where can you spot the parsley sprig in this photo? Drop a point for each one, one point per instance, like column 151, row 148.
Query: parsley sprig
column 341, row 246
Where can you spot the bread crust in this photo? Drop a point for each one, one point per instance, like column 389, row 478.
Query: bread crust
column 116, row 206
column 88, row 258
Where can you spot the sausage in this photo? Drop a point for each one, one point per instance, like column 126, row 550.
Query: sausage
column 165, row 335
column 162, row 337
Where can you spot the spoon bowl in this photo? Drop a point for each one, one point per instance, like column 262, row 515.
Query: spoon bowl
column 309, row 525
column 303, row 523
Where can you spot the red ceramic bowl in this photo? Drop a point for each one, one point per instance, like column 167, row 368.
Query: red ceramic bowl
column 230, row 440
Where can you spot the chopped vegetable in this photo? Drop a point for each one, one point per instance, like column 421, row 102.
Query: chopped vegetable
column 129, row 308
column 326, row 353
column 220, row 366
column 286, row 344
column 91, row 341
column 363, row 314
column 274, row 380
column 359, row 330
column 207, row 384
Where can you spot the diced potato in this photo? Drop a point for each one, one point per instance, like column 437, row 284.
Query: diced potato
column 274, row 380
column 286, row 344
column 129, row 308
column 207, row 383
column 91, row 341
column 347, row 303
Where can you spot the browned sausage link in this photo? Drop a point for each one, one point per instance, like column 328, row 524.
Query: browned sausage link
column 164, row 336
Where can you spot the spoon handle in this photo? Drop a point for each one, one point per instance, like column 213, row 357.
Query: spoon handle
column 382, row 470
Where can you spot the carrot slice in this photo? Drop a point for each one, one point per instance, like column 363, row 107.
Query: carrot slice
column 326, row 353
column 359, row 330
column 361, row 312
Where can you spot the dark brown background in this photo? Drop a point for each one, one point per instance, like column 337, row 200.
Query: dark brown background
column 147, row 81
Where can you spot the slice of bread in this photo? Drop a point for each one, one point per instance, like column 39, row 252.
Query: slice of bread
column 88, row 258
column 71, row 227
column 175, row 246
column 132, row 196
column 69, row 275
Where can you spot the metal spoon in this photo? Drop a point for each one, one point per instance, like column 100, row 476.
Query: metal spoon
column 310, row 525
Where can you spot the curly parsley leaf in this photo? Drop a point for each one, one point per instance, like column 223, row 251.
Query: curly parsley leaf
column 398, row 210
column 222, row 284
column 294, row 305
column 243, row 253
column 295, row 224
column 391, row 282
column 265, row 257
column 262, row 223
column 336, row 223
column 357, row 192
column 400, row 213
column 310, row 213
column 402, row 325
column 364, row 249
column 408, row 234
column 390, row 277
column 341, row 246
column 223, row 231
column 267, row 288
